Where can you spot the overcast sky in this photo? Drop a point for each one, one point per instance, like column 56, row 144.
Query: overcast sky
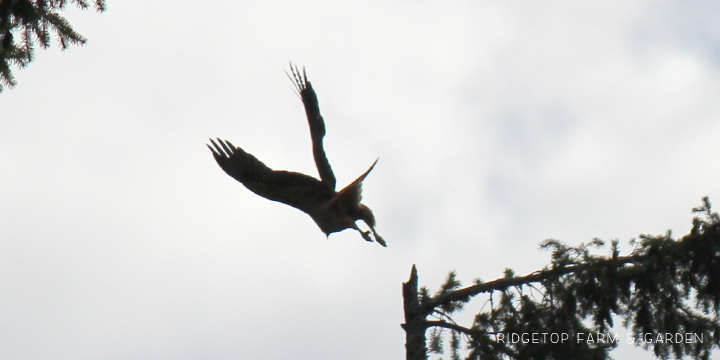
column 497, row 124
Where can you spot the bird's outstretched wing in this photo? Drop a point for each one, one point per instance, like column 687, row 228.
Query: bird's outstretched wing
column 297, row 190
column 316, row 122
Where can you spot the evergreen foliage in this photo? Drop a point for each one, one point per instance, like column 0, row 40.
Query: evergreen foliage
column 664, row 286
column 25, row 23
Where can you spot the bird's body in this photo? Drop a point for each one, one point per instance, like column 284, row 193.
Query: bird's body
column 332, row 211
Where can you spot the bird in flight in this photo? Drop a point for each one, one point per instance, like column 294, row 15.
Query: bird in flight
column 331, row 210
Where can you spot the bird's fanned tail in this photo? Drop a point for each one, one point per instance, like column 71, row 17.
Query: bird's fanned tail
column 348, row 202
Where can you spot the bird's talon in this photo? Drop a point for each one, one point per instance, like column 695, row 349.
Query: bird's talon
column 366, row 236
column 380, row 240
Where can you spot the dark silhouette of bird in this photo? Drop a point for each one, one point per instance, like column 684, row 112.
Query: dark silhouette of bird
column 332, row 211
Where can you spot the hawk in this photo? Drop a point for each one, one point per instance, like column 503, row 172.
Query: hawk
column 331, row 210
